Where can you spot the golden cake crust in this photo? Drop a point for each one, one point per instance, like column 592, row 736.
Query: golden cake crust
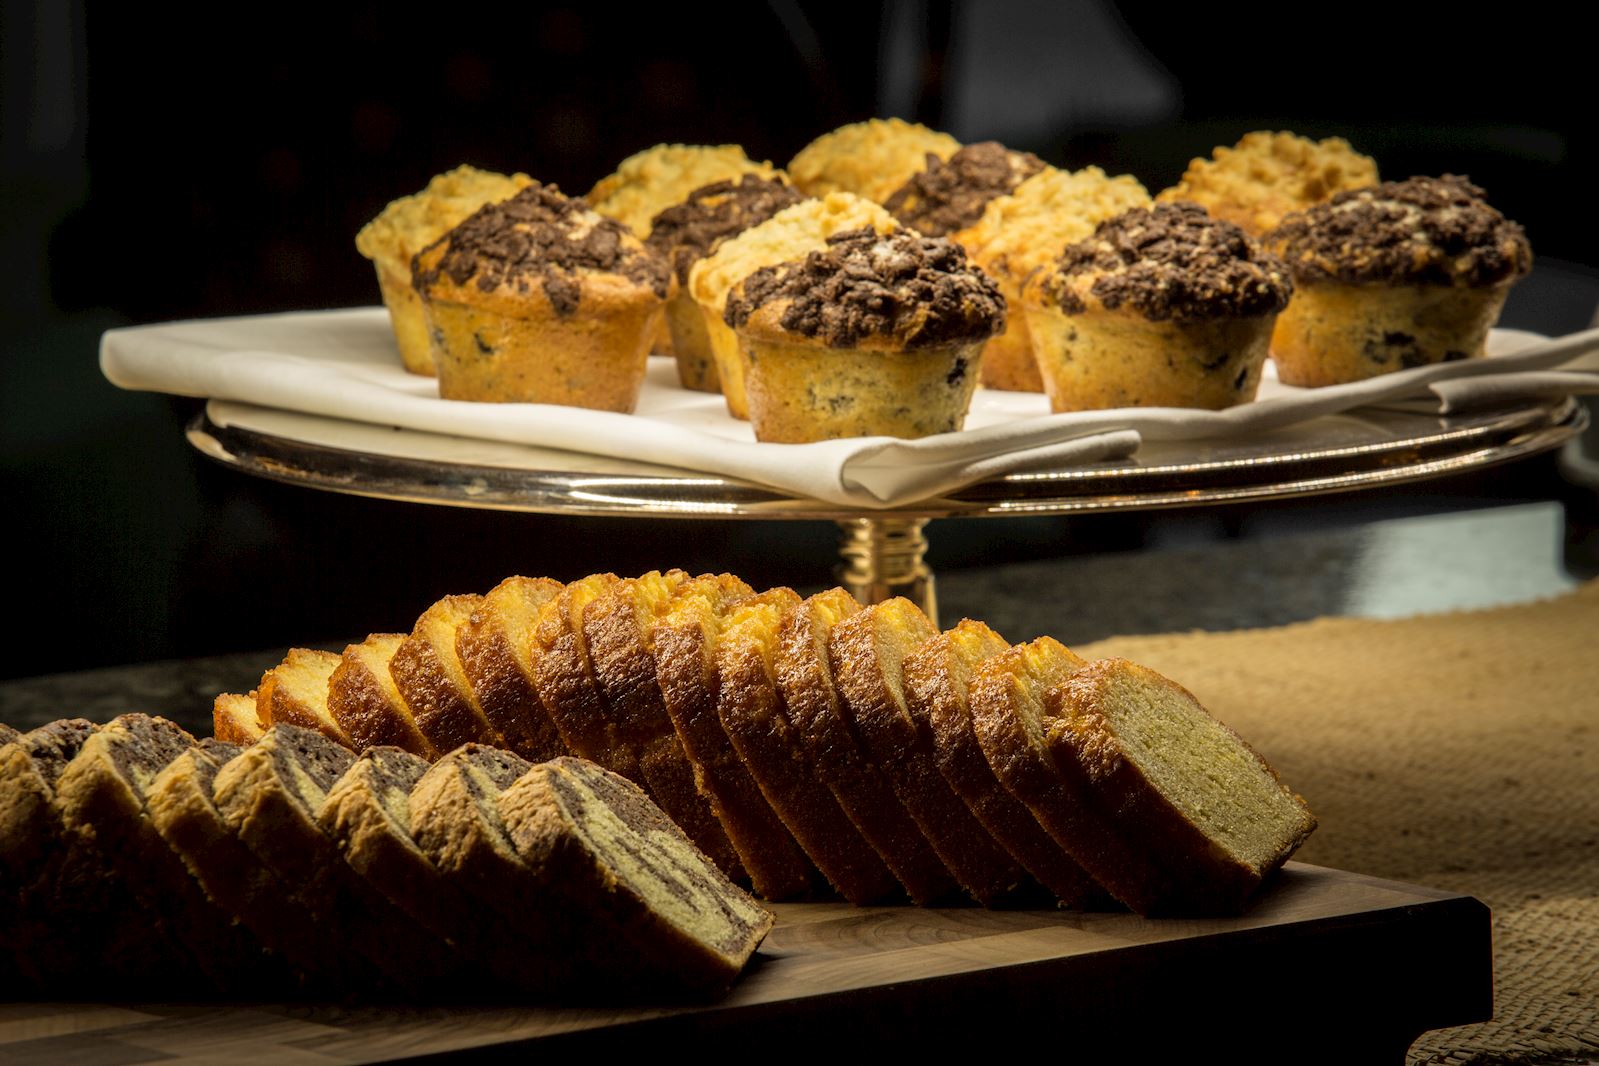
column 871, row 159
column 1267, row 175
column 494, row 650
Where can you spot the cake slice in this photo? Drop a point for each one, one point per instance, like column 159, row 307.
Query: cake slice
column 1169, row 788
column 428, row 673
column 743, row 640
column 367, row 814
column 367, row 704
column 295, row 692
column 684, row 641
column 804, row 673
column 271, row 795
column 100, row 913
column 1006, row 700
column 235, row 720
column 938, row 674
column 184, row 813
column 644, row 909
column 618, row 626
column 495, row 650
column 32, row 838
column 868, row 650
column 455, row 821
column 564, row 679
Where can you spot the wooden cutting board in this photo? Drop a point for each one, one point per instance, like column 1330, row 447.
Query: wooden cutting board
column 1325, row 966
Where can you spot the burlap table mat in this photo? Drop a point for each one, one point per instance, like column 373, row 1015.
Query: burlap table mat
column 1459, row 751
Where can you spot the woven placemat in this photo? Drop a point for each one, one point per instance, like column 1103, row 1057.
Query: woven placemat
column 1459, row 751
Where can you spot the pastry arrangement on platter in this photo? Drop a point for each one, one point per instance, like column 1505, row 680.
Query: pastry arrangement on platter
column 870, row 287
column 556, row 790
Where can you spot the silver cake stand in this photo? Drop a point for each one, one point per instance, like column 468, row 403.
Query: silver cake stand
column 882, row 552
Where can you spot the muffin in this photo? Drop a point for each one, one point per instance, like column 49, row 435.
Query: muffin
column 789, row 234
column 1020, row 233
column 410, row 224
column 541, row 300
column 1161, row 307
column 1403, row 274
column 685, row 233
column 871, row 159
column 648, row 182
column 950, row 195
column 1265, row 176
column 875, row 335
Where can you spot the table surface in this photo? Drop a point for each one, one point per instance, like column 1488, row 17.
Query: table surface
column 1318, row 950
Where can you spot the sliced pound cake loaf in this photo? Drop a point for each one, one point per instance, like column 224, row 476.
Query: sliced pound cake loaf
column 805, row 677
column 938, row 675
column 756, row 721
column 495, row 647
column 647, row 911
column 364, row 700
column 618, row 626
column 428, row 673
column 295, row 692
column 685, row 641
column 868, row 652
column 1168, row 788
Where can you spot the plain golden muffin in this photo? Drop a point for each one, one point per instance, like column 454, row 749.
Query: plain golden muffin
column 871, row 159
column 789, row 234
column 687, row 232
column 541, row 300
column 877, row 335
column 410, row 224
column 1161, row 307
column 1403, row 274
column 1265, row 176
column 648, row 182
column 1020, row 233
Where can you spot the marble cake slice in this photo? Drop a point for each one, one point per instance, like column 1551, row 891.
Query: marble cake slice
column 272, row 795
column 743, row 643
column 32, row 838
column 938, row 675
column 104, row 908
column 643, row 910
column 868, row 651
column 183, row 811
column 804, row 671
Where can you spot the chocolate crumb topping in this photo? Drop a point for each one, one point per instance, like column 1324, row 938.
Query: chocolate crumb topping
column 541, row 235
column 949, row 196
column 1172, row 261
column 917, row 290
column 1424, row 231
column 689, row 231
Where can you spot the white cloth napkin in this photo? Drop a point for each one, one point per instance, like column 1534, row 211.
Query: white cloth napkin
column 343, row 364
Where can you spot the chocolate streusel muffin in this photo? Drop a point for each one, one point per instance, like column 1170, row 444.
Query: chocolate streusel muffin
column 689, row 231
column 1164, row 307
column 877, row 335
column 870, row 159
column 410, row 224
column 541, row 300
column 1402, row 274
column 1024, row 232
column 950, row 195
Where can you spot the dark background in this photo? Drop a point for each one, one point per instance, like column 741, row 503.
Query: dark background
column 181, row 163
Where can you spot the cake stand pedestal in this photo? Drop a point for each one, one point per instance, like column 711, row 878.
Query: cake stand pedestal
column 882, row 553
